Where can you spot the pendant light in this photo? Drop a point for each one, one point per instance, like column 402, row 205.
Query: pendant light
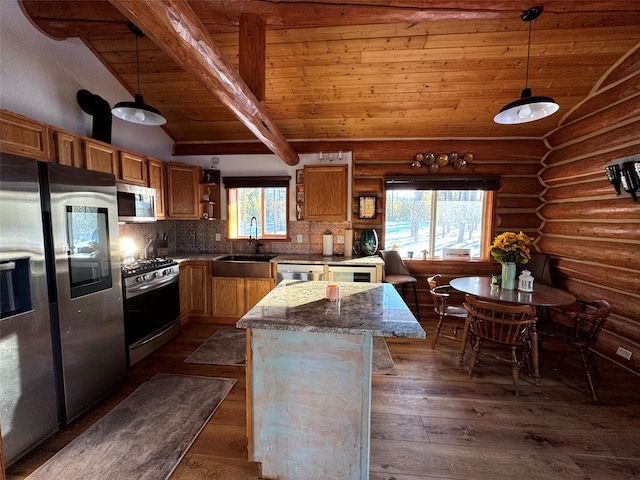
column 138, row 111
column 527, row 108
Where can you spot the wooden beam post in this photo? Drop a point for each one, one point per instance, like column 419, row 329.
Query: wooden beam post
column 253, row 53
column 175, row 28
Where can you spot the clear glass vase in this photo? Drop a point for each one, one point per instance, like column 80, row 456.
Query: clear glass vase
column 508, row 281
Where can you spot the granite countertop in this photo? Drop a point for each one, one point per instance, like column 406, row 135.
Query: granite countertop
column 193, row 256
column 364, row 308
column 285, row 258
column 319, row 259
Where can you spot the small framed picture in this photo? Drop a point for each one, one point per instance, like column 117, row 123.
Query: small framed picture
column 367, row 207
column 299, row 176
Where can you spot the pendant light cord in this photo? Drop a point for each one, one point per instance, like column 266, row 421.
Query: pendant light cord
column 526, row 78
column 138, row 63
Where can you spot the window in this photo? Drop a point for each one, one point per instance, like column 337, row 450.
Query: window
column 434, row 215
column 266, row 199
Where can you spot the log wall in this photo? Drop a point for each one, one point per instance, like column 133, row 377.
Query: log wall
column 516, row 161
column 592, row 234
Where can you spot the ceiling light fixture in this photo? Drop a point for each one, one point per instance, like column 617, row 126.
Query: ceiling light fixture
column 138, row 111
column 527, row 108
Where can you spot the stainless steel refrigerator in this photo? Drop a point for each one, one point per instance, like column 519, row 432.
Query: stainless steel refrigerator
column 62, row 344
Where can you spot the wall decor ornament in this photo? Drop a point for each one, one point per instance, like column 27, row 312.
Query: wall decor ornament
column 367, row 207
column 434, row 162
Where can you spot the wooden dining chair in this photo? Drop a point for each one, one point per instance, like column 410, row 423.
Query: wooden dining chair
column 512, row 326
column 579, row 325
column 397, row 273
column 445, row 311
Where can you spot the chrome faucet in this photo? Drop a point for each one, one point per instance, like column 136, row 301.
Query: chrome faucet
column 252, row 240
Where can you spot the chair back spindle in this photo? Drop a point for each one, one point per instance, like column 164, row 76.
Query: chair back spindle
column 587, row 319
column 507, row 325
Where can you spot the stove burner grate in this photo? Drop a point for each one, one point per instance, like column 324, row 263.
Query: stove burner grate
column 145, row 265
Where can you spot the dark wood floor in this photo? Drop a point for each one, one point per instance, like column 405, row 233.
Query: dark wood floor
column 429, row 422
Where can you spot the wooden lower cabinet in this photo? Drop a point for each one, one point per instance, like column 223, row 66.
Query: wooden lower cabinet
column 227, row 297
column 255, row 290
column 232, row 297
column 194, row 298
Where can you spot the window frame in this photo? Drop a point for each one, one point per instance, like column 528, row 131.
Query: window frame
column 233, row 183
column 488, row 184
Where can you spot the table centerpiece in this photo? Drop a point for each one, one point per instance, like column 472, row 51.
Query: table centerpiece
column 508, row 249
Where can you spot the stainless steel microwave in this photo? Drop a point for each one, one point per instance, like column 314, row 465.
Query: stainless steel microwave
column 136, row 204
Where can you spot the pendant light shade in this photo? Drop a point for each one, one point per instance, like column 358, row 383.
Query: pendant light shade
column 138, row 111
column 527, row 108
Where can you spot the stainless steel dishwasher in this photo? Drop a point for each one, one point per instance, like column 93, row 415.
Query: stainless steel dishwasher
column 296, row 271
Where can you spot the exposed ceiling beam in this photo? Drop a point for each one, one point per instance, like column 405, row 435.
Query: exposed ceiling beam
column 61, row 19
column 176, row 29
column 253, row 54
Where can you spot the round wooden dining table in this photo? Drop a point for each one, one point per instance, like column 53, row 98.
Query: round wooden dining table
column 542, row 296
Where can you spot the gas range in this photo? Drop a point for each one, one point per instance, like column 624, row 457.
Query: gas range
column 151, row 289
column 145, row 265
column 145, row 275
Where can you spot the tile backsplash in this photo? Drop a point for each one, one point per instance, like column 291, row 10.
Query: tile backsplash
column 199, row 236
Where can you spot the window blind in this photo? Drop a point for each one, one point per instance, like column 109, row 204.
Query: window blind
column 486, row 183
column 256, row 182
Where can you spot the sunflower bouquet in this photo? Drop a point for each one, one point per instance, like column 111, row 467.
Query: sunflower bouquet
column 510, row 247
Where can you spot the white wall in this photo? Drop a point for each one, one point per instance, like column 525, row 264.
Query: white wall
column 39, row 78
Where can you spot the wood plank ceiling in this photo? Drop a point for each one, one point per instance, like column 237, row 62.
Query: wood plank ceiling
column 369, row 69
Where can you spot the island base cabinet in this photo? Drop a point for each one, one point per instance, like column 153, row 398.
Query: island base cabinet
column 309, row 400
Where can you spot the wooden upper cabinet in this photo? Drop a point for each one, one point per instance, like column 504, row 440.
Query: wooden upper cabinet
column 325, row 192
column 133, row 168
column 155, row 176
column 182, row 191
column 100, row 157
column 22, row 136
column 68, row 149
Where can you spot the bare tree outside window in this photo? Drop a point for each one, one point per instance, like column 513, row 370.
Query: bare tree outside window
column 433, row 220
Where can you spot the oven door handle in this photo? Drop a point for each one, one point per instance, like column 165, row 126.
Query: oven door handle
column 144, row 341
column 135, row 290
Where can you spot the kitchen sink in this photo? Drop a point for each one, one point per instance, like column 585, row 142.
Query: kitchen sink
column 248, row 257
column 243, row 265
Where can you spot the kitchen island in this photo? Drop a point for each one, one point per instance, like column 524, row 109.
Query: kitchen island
column 309, row 376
